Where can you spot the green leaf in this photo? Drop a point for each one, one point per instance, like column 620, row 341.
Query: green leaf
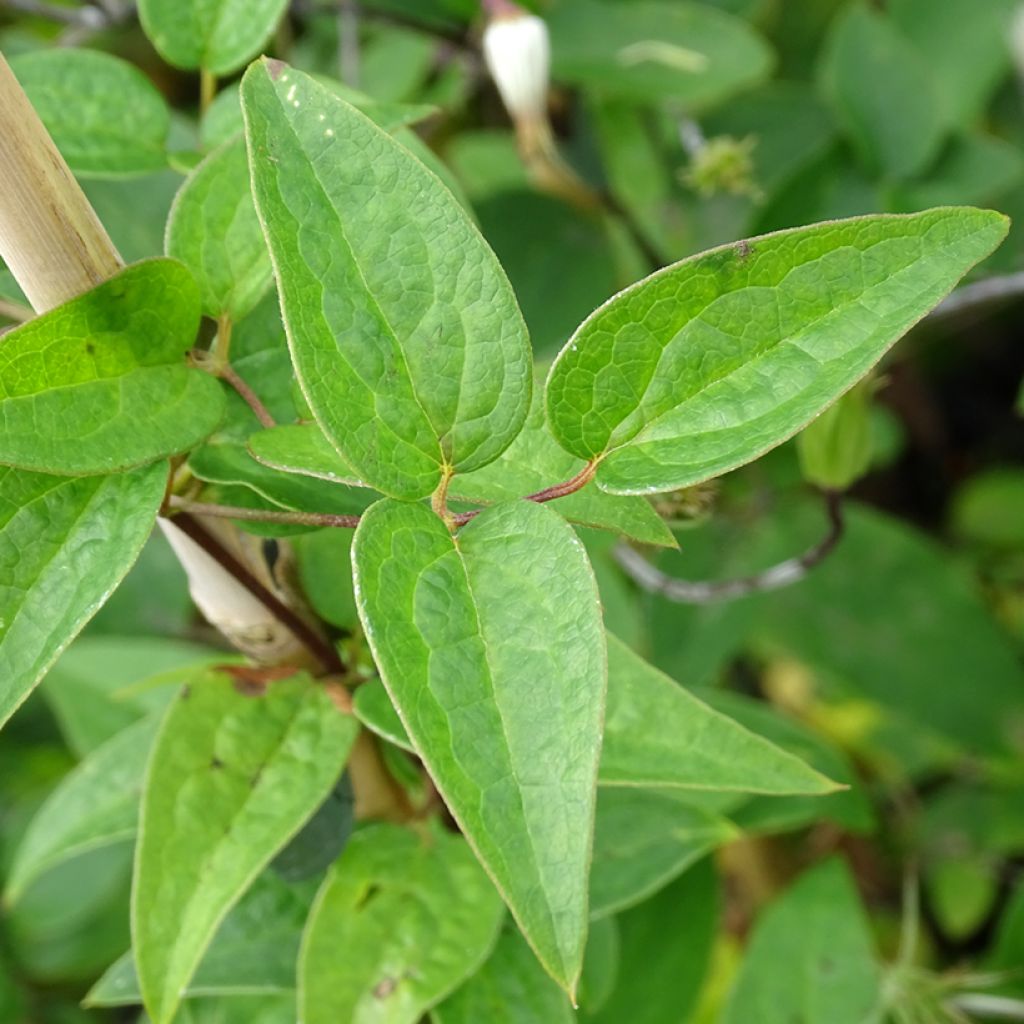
column 216, row 35
column 654, row 51
column 511, row 988
column 964, row 45
column 106, row 117
column 373, row 707
column 810, row 957
column 231, row 780
column 658, row 734
column 254, row 951
column 665, row 948
column 644, row 839
column 883, row 92
column 859, row 619
column 493, row 652
column 213, row 229
column 96, row 689
column 303, row 449
column 534, row 461
column 232, row 464
column 100, row 384
column 400, row 921
column 65, row 544
column 95, row 805
column 709, row 363
column 223, row 118
column 419, row 358
column 600, row 965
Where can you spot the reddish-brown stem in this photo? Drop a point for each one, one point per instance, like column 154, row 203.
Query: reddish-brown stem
column 229, row 375
column 258, row 515
column 302, row 631
column 562, row 490
column 330, row 519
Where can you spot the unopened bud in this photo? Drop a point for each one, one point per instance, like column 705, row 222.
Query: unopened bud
column 835, row 450
column 518, row 54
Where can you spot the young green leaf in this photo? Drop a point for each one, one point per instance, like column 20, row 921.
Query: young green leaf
column 232, row 778
column 658, row 734
column 492, row 650
column 400, row 921
column 709, row 363
column 810, row 957
column 511, row 988
column 213, row 229
column 95, row 805
column 216, row 35
column 100, row 384
column 106, row 117
column 65, row 543
column 405, row 335
column 883, row 92
column 644, row 839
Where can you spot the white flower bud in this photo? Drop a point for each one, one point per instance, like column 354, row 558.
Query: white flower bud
column 518, row 54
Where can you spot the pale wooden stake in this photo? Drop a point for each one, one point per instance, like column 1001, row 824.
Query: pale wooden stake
column 50, row 237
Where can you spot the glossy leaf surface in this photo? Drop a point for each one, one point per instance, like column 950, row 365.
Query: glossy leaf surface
column 493, row 652
column 214, row 231
column 406, row 337
column 709, row 363
column 100, row 384
column 400, row 921
column 217, row 35
column 232, row 778
column 65, row 544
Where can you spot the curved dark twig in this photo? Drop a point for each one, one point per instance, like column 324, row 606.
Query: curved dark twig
column 790, row 571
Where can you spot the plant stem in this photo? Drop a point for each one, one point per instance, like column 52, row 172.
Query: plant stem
column 15, row 311
column 790, row 571
column 348, row 42
column 254, row 515
column 301, row 630
column 229, row 375
column 562, row 490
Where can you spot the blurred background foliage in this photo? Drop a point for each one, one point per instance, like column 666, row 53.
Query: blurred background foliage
column 894, row 666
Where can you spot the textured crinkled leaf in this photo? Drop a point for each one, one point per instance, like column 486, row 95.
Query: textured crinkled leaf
column 213, row 229
column 707, row 364
column 511, row 988
column 401, row 920
column 217, row 35
column 106, row 117
column 883, row 92
column 810, row 957
column 658, row 734
column 404, row 331
column 493, row 651
column 100, row 384
column 655, row 734
column 232, row 778
column 653, row 51
column 65, row 544
column 254, row 950
column 644, row 839
column 95, row 805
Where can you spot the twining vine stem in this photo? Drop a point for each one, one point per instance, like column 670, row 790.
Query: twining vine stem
column 790, row 571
